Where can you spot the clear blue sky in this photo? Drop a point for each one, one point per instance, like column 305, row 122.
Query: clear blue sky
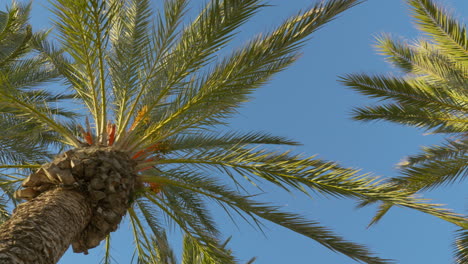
column 307, row 104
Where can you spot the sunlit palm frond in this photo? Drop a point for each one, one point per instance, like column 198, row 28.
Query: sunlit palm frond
column 254, row 211
column 14, row 33
column 296, row 172
column 437, row 165
column 446, row 31
column 206, row 237
column 408, row 92
column 142, row 241
column 83, row 28
column 208, row 98
column 166, row 254
column 130, row 35
column 433, row 120
column 426, row 62
column 212, row 30
column 431, row 94
column 224, row 140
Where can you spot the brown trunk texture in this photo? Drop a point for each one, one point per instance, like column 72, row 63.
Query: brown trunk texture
column 41, row 230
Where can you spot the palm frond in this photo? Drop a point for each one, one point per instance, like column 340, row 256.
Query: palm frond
column 295, row 172
column 107, row 258
column 206, row 240
column 437, row 165
column 223, row 195
column 14, row 33
column 461, row 246
column 423, row 60
column 444, row 30
column 130, row 46
column 212, row 30
column 432, row 95
column 144, row 247
column 165, row 253
column 209, row 98
column 83, row 28
column 225, row 140
column 407, row 92
column 426, row 118
column 28, row 108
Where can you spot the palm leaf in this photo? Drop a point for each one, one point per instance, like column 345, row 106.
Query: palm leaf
column 446, row 31
column 430, row 95
column 461, row 246
column 213, row 96
column 244, row 205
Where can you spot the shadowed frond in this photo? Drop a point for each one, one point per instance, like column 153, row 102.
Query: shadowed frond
column 29, row 123
column 461, row 246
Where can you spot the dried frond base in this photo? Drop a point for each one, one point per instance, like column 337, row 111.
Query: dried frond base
column 106, row 176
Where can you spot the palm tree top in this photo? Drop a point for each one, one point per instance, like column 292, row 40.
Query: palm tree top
column 155, row 95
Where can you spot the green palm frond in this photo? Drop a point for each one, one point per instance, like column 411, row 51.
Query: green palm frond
column 29, row 123
column 431, row 94
column 131, row 46
column 424, row 60
column 14, row 33
column 415, row 103
column 142, row 241
column 437, row 165
column 435, row 21
column 193, row 254
column 408, row 92
column 461, row 246
column 254, row 211
column 296, row 172
column 208, row 98
column 212, row 30
column 165, row 253
column 20, row 143
column 206, row 239
column 25, row 107
column 83, row 28
column 224, row 140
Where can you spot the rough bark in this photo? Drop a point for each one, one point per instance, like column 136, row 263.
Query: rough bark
column 106, row 177
column 41, row 230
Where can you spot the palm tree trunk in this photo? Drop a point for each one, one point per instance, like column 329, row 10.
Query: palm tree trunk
column 41, row 230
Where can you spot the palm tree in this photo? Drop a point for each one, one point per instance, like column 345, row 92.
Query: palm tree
column 23, row 141
column 432, row 94
column 155, row 95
